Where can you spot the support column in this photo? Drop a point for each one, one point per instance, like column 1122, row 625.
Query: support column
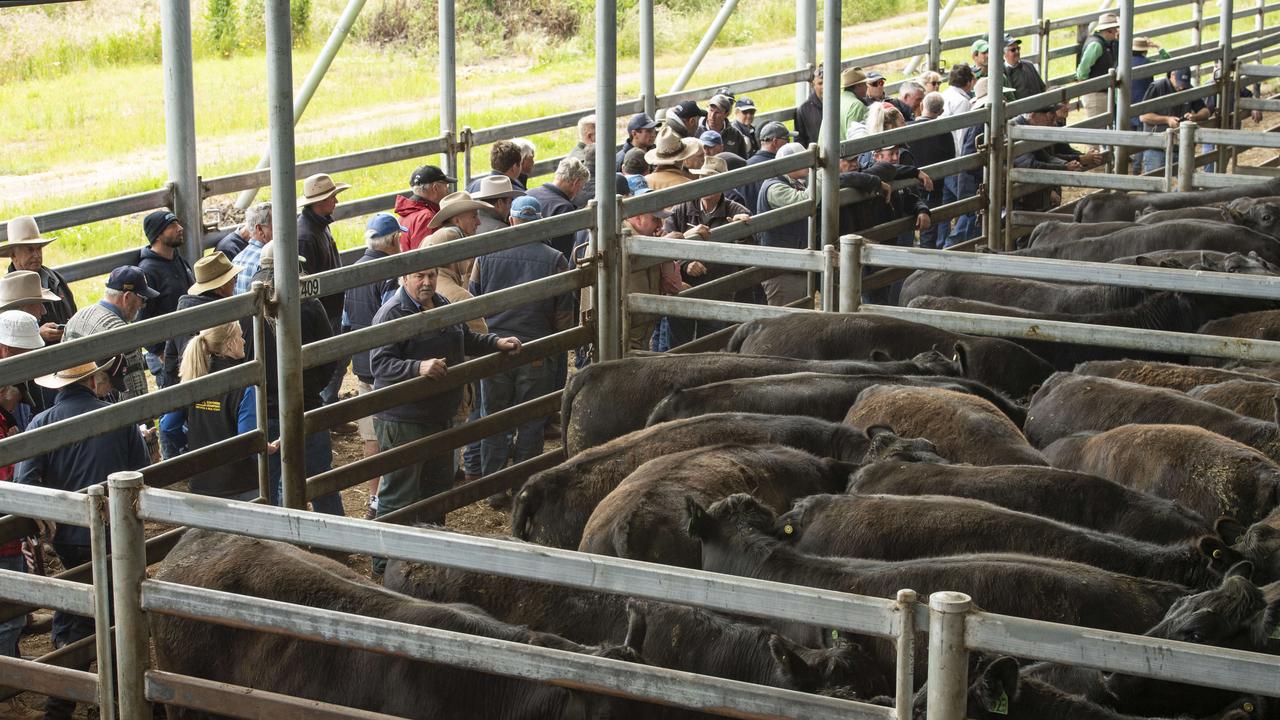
column 935, row 34
column 98, row 513
column 832, row 133
column 851, row 272
column 180, row 122
column 995, row 133
column 1226, row 88
column 1123, row 91
column 948, row 657
column 704, row 45
column 1040, row 43
column 284, row 218
column 610, row 283
column 648, row 87
column 128, row 570
column 1186, row 157
column 448, row 85
column 806, row 42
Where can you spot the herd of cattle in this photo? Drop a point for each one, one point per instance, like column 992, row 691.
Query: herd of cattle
column 1075, row 484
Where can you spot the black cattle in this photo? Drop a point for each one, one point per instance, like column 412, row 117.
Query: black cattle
column 328, row 673
column 1151, row 216
column 811, row 394
column 1243, row 264
column 996, row 363
column 1166, row 375
column 1036, row 295
column 1070, row 497
column 553, row 506
column 1104, row 206
column 608, row 399
column 1173, row 235
column 1251, row 398
column 1051, row 231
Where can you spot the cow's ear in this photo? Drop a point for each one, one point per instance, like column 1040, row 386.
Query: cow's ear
column 1241, row 569
column 999, row 686
column 1220, row 557
column 1229, row 529
column 1172, row 263
column 637, row 626
column 877, row 430
column 700, row 523
column 1253, row 254
column 961, row 358
column 879, row 355
column 794, row 670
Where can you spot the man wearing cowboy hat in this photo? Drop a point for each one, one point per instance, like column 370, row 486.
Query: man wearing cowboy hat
column 73, row 468
column 25, row 246
column 1097, row 58
column 499, row 192
column 668, row 157
column 853, row 93
column 1019, row 74
column 1139, row 83
column 557, row 196
column 215, row 279
column 126, row 294
column 315, row 244
column 168, row 273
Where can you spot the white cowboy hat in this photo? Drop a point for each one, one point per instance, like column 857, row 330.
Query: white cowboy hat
column 319, row 187
column 671, row 149
column 213, row 271
column 711, row 165
column 1107, row 21
column 496, row 187
column 19, row 329
column 66, row 376
column 23, row 230
column 455, row 204
column 22, row 287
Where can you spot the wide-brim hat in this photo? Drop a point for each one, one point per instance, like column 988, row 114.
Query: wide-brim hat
column 1144, row 44
column 319, row 187
column 496, row 187
column 852, row 76
column 213, row 271
column 712, row 165
column 670, row 148
column 23, row 230
column 455, row 204
column 67, row 376
column 22, row 287
column 1107, row 21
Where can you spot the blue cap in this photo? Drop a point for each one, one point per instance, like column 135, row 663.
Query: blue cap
column 745, row 104
column 1182, row 76
column 130, row 278
column 383, row 224
column 711, row 138
column 526, row 208
column 640, row 121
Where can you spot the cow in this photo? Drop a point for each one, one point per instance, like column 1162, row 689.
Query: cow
column 1257, row 544
column 341, row 675
column 1173, row 235
column 1165, row 375
column 996, row 363
column 553, row 505
column 1151, row 216
column 902, row 527
column 1241, row 263
column 1068, row 403
column 964, row 428
column 1051, row 231
column 1252, row 398
column 1209, row 474
column 643, row 517
column 608, row 399
column 1260, row 325
column 737, row 539
column 817, row 395
column 1036, row 295
column 1104, row 206
column 1063, row 495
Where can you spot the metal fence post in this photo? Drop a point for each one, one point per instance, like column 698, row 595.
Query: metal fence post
column 180, row 122
column 610, row 341
column 1040, row 43
column 1123, row 91
column 851, row 272
column 906, row 655
column 648, row 86
column 293, row 473
column 828, row 156
column 948, row 657
column 448, row 84
column 830, row 256
column 814, row 227
column 807, row 42
column 1197, row 30
column 97, row 509
column 995, row 134
column 260, row 395
column 704, row 45
column 1226, row 87
column 128, row 570
column 935, row 34
column 1186, row 157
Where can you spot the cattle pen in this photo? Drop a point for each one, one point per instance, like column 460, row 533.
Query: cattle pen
column 120, row 596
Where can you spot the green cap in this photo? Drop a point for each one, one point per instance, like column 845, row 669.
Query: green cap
column 979, row 46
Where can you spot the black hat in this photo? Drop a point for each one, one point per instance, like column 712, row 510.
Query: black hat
column 428, row 174
column 155, row 223
column 775, row 131
column 620, row 185
column 688, row 109
column 640, row 121
column 130, row 278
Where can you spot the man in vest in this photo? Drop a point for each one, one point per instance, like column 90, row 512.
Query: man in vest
column 1097, row 58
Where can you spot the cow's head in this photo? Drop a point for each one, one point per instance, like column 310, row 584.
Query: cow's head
column 933, row 362
column 845, row 669
column 1250, row 264
column 884, row 444
column 1260, row 217
column 730, row 530
column 1259, row 544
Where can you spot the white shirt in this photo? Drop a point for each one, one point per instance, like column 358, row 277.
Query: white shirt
column 957, row 102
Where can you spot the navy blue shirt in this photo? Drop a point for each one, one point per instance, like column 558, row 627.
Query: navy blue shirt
column 555, row 202
column 360, row 305
column 511, row 267
column 77, row 466
column 169, row 277
column 231, row 244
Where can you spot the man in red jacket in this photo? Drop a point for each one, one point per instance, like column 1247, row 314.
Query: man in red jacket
column 427, row 185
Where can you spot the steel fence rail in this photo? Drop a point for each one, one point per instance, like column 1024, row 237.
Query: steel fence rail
column 530, row 662
column 1081, row 178
column 101, row 210
column 77, row 685
column 242, row 702
column 46, row 592
column 667, row 197
column 34, row 501
column 765, row 257
column 1243, row 138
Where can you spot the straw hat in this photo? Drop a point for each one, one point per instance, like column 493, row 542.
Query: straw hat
column 852, row 76
column 23, row 230
column 22, row 287
column 1142, row 44
column 1107, row 21
column 319, row 187
column 213, row 271
column 19, row 329
column 455, row 204
column 496, row 187
column 65, row 377
column 712, row 165
column 671, row 149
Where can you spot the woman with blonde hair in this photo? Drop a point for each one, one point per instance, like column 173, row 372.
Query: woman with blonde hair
column 216, row 419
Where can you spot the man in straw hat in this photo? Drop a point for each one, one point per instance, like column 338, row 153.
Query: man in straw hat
column 74, row 468
column 126, row 294
column 499, row 192
column 853, row 94
column 215, row 279
column 1098, row 56
column 556, row 197
column 668, row 156
column 459, row 217
column 25, row 246
column 1142, row 46
column 315, row 243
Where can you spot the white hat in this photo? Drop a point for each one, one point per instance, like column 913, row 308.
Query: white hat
column 22, row 230
column 1108, row 21
column 319, row 187
column 19, row 329
column 791, row 148
column 496, row 187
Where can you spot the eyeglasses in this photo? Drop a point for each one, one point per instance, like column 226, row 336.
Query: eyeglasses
column 933, row 83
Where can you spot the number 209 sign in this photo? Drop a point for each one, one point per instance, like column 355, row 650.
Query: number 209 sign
column 309, row 287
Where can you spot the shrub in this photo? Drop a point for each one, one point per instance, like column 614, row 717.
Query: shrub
column 223, row 29
column 300, row 21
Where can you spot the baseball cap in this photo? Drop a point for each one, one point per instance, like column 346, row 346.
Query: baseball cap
column 775, row 130
column 688, row 109
column 874, row 77
column 711, row 138
column 1182, row 76
column 1011, row 40
column 724, row 102
column 526, row 208
column 383, row 224
column 789, row 149
column 745, row 104
column 155, row 223
column 428, row 174
column 640, row 121
column 979, row 46
column 130, row 278
column 661, row 213
column 19, row 329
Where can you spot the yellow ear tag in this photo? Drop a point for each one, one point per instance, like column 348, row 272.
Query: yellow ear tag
column 1247, row 707
column 788, row 529
column 1002, row 705
column 835, row 634
column 1217, row 554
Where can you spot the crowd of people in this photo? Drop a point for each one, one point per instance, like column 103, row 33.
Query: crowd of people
column 691, row 141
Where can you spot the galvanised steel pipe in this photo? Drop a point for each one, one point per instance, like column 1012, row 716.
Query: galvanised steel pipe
column 128, row 570
column 180, row 121
column 448, row 84
column 648, row 87
column 1122, row 91
column 609, row 280
column 995, row 133
column 807, row 42
column 831, row 133
column 699, row 52
column 948, row 657
column 1186, row 156
column 97, row 510
column 935, row 34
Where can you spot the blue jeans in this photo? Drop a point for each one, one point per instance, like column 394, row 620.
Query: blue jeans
column 318, row 458
column 68, row 628
column 331, row 391
column 156, row 365
column 935, row 238
column 471, row 453
column 11, row 630
column 963, row 186
column 505, row 390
